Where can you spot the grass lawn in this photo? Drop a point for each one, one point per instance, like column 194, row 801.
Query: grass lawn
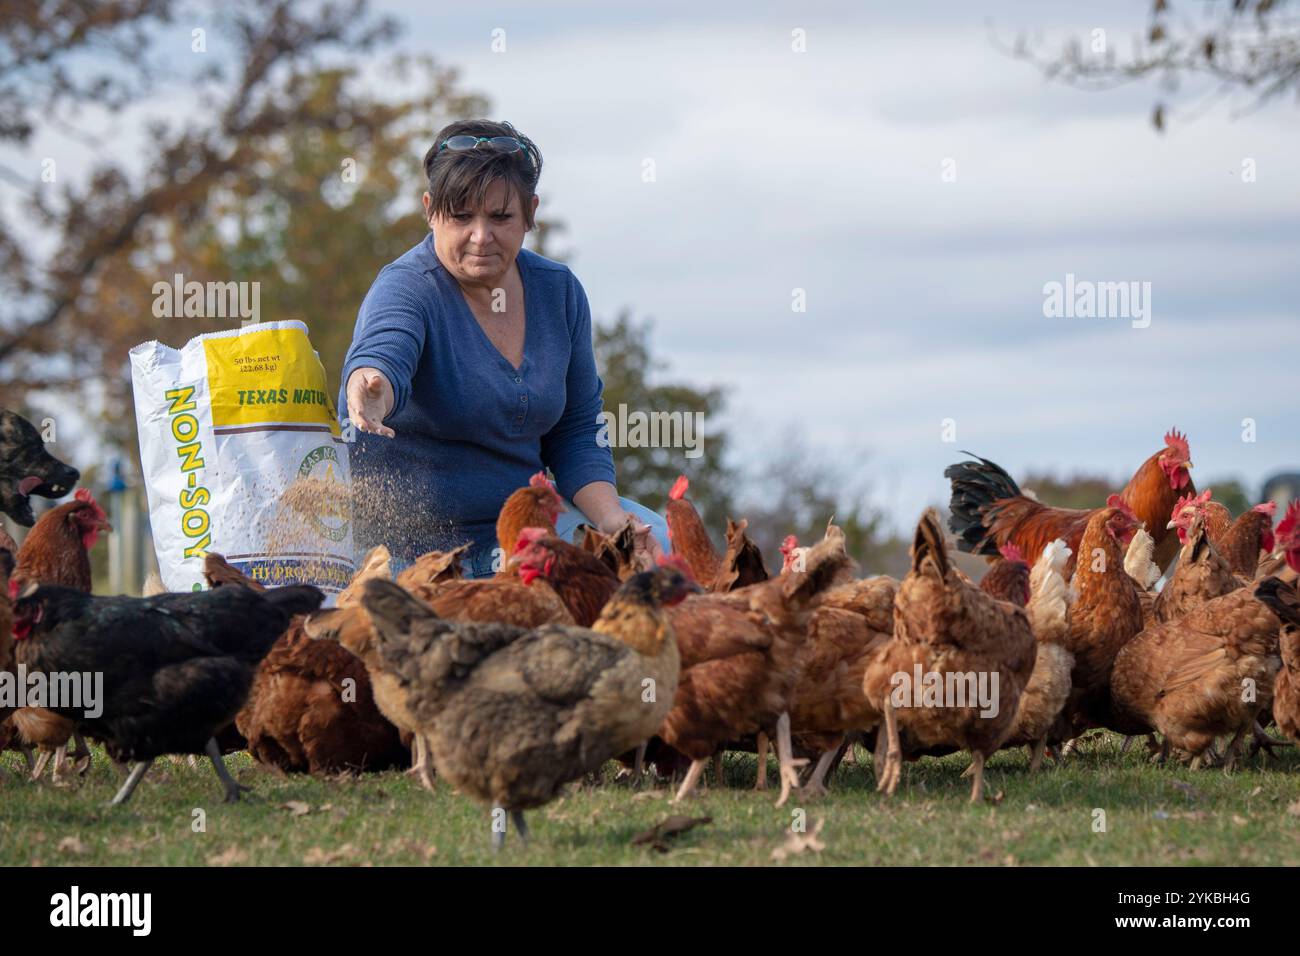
column 1153, row 816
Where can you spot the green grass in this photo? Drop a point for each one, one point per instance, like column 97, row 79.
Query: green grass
column 1154, row 816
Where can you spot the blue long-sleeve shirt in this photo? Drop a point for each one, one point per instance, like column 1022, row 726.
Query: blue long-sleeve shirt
column 470, row 427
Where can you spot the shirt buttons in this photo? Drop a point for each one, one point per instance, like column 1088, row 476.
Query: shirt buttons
column 523, row 398
column 518, row 379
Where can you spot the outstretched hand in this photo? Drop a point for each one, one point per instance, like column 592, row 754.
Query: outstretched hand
column 370, row 399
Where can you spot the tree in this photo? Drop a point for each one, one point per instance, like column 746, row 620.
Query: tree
column 69, row 317
column 646, row 473
column 1238, row 45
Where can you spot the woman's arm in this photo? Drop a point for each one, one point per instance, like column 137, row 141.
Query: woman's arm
column 599, row 502
column 386, row 348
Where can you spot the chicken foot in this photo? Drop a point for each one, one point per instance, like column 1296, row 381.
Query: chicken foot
column 789, row 771
column 1260, row 740
column 232, row 789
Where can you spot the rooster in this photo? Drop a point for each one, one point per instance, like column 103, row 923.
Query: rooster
column 943, row 626
column 57, row 551
column 176, row 667
column 988, row 508
column 512, row 714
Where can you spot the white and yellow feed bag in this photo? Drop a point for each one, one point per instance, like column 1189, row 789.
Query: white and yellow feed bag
column 241, row 454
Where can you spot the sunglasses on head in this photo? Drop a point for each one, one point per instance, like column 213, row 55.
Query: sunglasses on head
column 505, row 144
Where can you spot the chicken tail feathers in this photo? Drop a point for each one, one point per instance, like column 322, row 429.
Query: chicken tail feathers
column 976, row 485
column 929, row 543
column 1280, row 598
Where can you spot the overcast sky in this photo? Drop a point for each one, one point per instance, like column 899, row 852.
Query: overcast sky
column 822, row 171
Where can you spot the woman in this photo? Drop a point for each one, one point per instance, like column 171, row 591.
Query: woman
column 471, row 368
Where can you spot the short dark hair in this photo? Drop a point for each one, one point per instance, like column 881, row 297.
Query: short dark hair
column 459, row 178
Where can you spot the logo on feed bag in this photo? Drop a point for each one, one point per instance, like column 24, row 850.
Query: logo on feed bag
column 327, row 518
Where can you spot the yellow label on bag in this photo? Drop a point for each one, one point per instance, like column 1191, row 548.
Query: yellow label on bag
column 267, row 375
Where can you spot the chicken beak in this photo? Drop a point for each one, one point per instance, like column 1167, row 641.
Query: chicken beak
column 1172, row 524
column 1187, row 465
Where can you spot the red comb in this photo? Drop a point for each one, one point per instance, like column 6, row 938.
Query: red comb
column 84, row 495
column 1178, row 442
column 528, row 536
column 789, row 544
column 1267, row 508
column 680, row 487
column 540, row 480
column 1011, row 553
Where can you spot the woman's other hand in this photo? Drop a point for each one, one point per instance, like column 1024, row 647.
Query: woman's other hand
column 370, row 399
column 646, row 548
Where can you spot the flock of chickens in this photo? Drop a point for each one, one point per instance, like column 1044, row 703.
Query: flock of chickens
column 576, row 654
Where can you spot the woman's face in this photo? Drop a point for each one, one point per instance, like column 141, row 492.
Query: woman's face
column 479, row 246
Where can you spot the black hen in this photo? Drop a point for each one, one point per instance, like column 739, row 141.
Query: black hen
column 176, row 667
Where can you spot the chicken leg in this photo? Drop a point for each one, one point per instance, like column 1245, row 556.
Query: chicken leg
column 132, row 781
column 499, row 836
column 977, row 785
column 42, row 758
column 228, row 784
column 420, row 748
column 789, row 772
column 893, row 763
column 1036, row 755
column 760, row 781
column 815, row 786
column 518, row 817
column 692, row 777
column 81, row 755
